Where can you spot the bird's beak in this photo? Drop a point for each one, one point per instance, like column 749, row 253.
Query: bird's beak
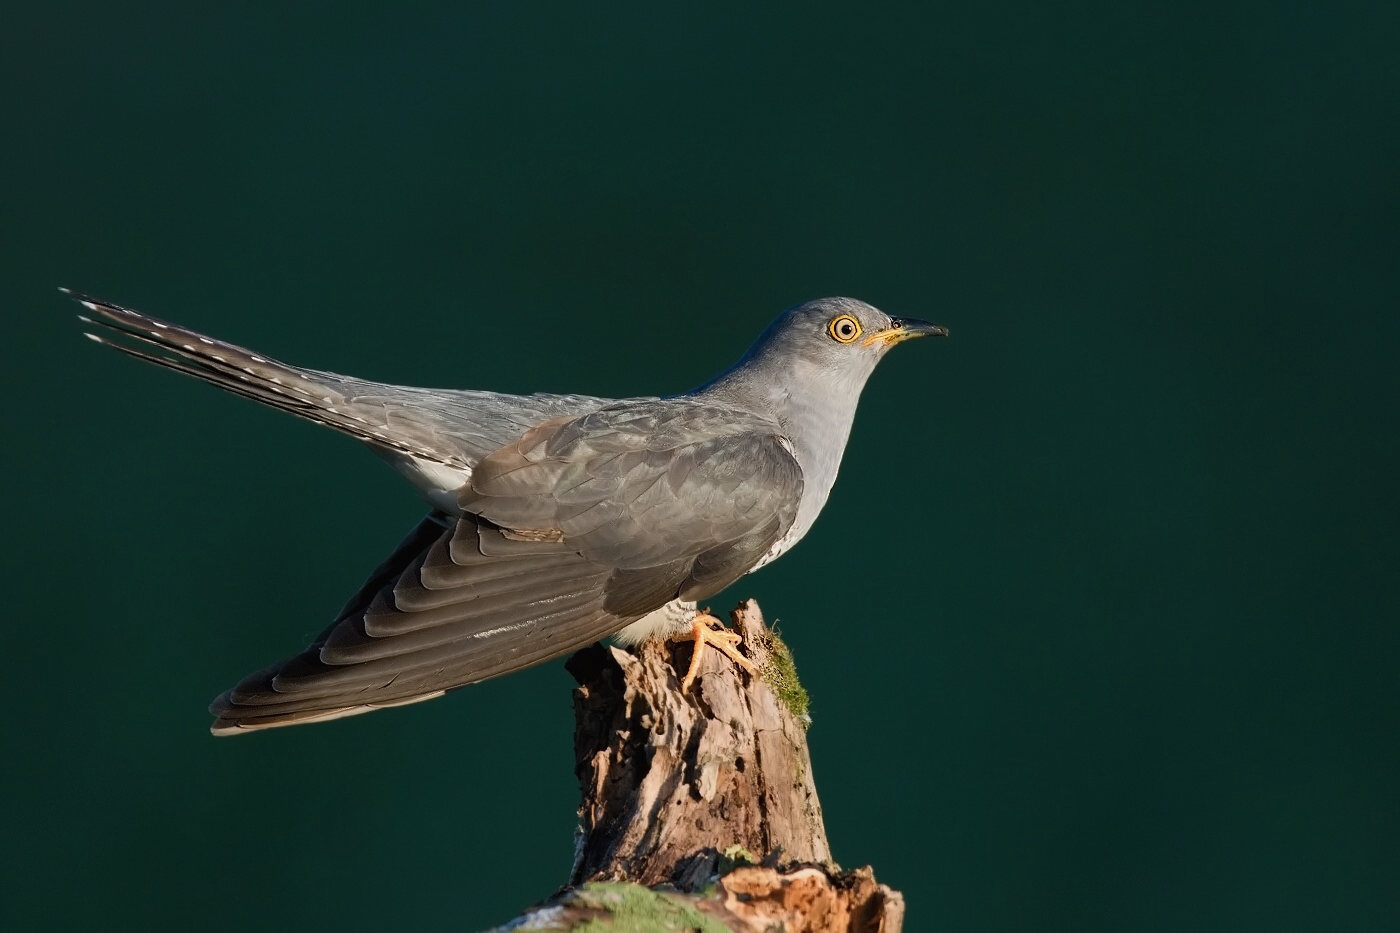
column 903, row 328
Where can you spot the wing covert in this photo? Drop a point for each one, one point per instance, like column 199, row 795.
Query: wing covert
column 659, row 492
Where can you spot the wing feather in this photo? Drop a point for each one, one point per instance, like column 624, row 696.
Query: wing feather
column 667, row 481
column 510, row 604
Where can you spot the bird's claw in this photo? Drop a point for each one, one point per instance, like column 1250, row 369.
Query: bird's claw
column 706, row 629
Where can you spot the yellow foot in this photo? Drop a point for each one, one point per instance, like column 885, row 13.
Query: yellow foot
column 706, row 629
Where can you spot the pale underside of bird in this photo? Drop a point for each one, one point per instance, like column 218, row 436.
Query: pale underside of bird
column 556, row 520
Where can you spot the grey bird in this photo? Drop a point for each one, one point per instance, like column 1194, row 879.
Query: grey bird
column 556, row 520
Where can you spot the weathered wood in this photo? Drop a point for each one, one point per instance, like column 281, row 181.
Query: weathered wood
column 668, row 777
column 747, row 900
column 699, row 810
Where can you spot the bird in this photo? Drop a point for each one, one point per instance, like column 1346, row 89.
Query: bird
column 555, row 520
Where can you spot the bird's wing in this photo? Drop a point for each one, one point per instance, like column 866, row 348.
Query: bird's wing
column 457, row 603
column 657, row 489
column 454, row 428
column 577, row 529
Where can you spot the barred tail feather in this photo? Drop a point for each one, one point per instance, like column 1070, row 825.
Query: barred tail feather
column 323, row 398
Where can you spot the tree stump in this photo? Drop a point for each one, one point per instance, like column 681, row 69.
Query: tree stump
column 699, row 810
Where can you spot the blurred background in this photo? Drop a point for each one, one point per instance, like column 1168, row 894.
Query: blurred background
column 1101, row 623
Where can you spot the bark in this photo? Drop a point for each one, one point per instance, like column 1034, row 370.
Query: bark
column 699, row 810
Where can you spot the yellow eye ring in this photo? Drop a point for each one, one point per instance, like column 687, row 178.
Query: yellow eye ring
column 844, row 329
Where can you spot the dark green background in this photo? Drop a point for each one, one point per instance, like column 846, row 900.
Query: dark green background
column 1102, row 622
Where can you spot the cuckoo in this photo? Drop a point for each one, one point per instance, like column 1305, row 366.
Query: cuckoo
column 556, row 520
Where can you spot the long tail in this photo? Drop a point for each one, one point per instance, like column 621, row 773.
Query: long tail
column 353, row 406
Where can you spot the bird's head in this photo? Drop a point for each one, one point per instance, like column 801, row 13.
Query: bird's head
column 817, row 354
column 840, row 337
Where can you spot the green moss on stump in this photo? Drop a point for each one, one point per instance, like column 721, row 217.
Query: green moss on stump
column 780, row 673
column 736, row 856
column 634, row 909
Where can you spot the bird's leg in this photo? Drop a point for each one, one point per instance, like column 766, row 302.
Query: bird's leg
column 706, row 629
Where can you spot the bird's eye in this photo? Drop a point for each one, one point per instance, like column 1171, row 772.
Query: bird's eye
column 843, row 328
